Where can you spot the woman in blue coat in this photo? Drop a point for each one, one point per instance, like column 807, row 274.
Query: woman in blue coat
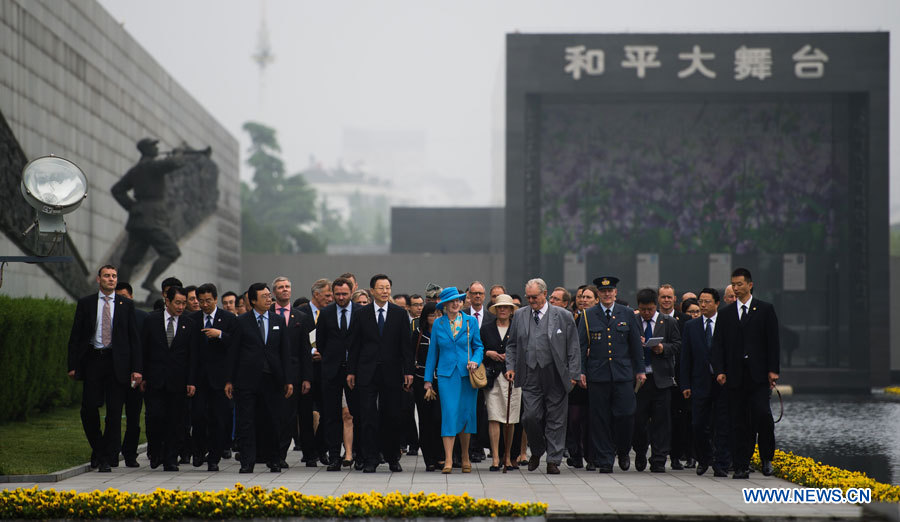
column 455, row 348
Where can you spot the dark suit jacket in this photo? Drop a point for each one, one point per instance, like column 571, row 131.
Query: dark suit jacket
column 126, row 345
column 695, row 373
column 301, row 368
column 487, row 318
column 213, row 354
column 167, row 367
column 393, row 348
column 250, row 349
column 663, row 364
column 333, row 343
column 758, row 339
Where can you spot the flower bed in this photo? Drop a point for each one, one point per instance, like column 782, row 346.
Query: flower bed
column 254, row 502
column 893, row 390
column 807, row 472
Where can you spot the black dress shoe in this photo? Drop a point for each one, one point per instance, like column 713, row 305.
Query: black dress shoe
column 742, row 474
column 605, row 469
column 494, row 468
column 395, row 467
column 590, row 467
column 369, row 468
column 430, row 467
column 103, row 467
column 199, row 461
column 95, row 461
column 114, row 463
column 273, row 467
column 701, row 468
column 676, row 464
column 155, row 462
column 324, row 460
column 690, row 463
column 358, row 465
column 246, row 469
column 625, row 462
column 510, row 468
column 534, row 462
column 640, row 462
column 132, row 463
column 767, row 468
column 552, row 469
column 212, row 466
column 658, row 469
column 185, row 459
column 719, row 472
column 335, row 465
column 226, row 454
column 283, row 464
column 170, row 467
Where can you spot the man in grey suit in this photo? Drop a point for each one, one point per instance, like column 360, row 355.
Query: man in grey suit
column 543, row 351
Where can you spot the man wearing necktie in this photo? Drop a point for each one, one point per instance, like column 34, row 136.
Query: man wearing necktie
column 309, row 405
column 381, row 366
column 300, row 371
column 709, row 403
column 333, row 337
column 613, row 360
column 542, row 358
column 654, row 397
column 258, row 380
column 746, row 360
column 105, row 353
column 211, row 411
column 170, row 340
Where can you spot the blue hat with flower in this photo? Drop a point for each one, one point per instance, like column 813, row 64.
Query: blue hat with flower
column 448, row 294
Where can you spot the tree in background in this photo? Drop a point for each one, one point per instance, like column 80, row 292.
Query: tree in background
column 278, row 214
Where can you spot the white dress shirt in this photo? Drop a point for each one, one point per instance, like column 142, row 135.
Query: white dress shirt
column 480, row 315
column 740, row 305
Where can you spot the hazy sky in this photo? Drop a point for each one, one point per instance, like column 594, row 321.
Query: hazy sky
column 428, row 68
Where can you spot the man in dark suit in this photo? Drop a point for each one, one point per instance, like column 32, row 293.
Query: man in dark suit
column 745, row 358
column 216, row 331
column 654, row 397
column 311, row 438
column 300, row 371
column 105, row 353
column 381, row 364
column 612, row 360
column 334, row 335
column 258, row 367
column 708, row 400
column 170, row 343
column 134, row 397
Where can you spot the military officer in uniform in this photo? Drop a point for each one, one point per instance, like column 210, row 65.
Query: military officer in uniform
column 612, row 358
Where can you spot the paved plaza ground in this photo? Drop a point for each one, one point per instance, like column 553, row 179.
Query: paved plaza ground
column 573, row 493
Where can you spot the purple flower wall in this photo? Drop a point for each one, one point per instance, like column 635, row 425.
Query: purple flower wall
column 689, row 177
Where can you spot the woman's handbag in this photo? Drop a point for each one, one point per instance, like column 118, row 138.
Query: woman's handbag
column 478, row 376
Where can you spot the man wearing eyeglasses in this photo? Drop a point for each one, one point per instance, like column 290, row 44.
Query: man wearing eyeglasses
column 542, row 358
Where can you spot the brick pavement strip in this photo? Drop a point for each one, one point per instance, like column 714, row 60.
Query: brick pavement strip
column 572, row 494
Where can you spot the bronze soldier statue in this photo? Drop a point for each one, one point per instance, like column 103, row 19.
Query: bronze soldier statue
column 148, row 217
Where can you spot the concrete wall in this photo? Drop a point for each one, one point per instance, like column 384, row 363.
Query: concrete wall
column 895, row 321
column 409, row 272
column 75, row 84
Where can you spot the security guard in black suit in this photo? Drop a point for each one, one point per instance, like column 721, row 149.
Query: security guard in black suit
column 611, row 355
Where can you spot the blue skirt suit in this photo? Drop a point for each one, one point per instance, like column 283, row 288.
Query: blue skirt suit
column 447, row 355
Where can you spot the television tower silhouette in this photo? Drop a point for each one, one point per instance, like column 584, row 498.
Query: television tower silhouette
column 263, row 55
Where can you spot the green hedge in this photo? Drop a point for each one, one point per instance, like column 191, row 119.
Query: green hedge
column 34, row 334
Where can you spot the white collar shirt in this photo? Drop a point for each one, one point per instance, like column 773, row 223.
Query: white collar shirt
column 98, row 328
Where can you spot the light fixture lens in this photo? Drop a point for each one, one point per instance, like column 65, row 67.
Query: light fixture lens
column 55, row 182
